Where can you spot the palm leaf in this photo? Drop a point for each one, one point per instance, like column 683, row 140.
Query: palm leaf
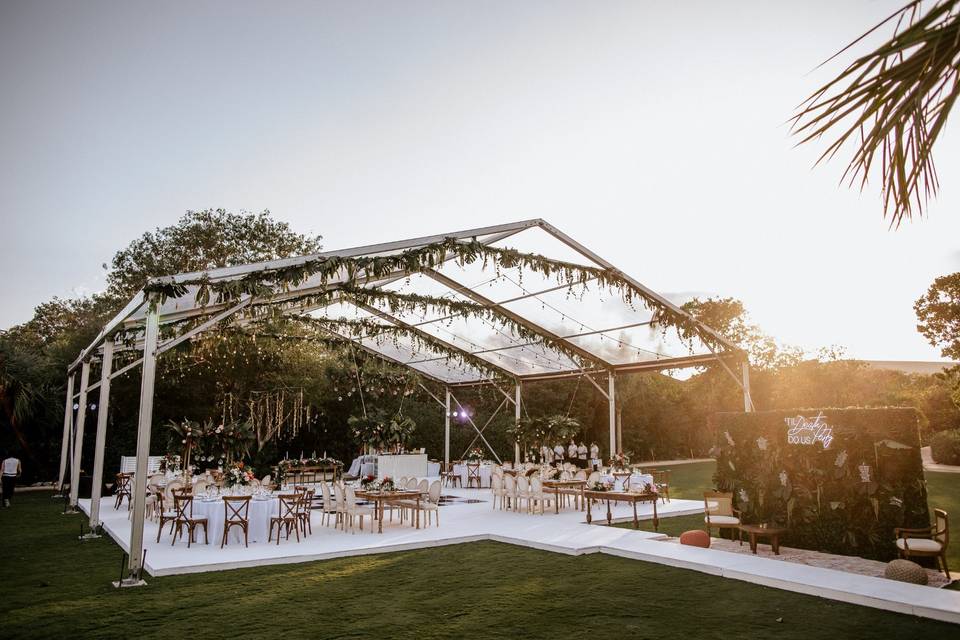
column 891, row 105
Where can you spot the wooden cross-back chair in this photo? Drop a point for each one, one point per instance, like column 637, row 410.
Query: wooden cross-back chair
column 122, row 490
column 183, row 507
column 289, row 516
column 236, row 513
column 163, row 515
column 473, row 474
column 305, row 509
column 449, row 477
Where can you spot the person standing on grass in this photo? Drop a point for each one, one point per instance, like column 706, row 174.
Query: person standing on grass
column 11, row 471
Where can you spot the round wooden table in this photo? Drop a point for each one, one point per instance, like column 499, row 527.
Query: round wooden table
column 756, row 531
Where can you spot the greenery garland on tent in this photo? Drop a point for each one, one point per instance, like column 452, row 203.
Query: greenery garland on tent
column 265, row 283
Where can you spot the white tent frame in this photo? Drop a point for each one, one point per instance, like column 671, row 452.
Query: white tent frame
column 103, row 348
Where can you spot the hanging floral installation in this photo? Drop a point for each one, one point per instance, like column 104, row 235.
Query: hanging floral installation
column 381, row 431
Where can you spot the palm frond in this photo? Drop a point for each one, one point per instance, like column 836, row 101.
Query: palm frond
column 892, row 104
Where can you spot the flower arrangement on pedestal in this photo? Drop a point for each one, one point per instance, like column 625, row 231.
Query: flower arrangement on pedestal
column 238, row 474
column 620, row 462
column 474, row 455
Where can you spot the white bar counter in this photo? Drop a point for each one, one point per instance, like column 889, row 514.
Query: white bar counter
column 400, row 465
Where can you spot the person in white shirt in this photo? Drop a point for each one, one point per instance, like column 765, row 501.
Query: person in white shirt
column 572, row 452
column 546, row 454
column 595, row 461
column 10, row 468
column 558, row 453
column 582, row 455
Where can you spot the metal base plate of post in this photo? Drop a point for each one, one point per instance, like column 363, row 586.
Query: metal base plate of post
column 129, row 582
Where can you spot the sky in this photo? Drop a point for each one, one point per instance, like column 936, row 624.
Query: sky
column 654, row 133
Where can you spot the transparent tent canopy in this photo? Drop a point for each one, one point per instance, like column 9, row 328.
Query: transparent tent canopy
column 537, row 326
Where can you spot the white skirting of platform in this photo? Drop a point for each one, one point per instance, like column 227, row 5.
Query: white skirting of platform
column 566, row 533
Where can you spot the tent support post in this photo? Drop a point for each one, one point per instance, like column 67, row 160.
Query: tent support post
column 151, row 330
column 747, row 400
column 103, row 408
column 78, row 437
column 67, row 428
column 516, row 421
column 612, row 402
column 446, row 432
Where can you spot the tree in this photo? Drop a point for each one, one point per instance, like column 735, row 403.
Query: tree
column 204, row 240
column 938, row 315
column 729, row 318
column 892, row 105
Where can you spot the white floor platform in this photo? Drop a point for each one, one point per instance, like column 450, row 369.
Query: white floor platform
column 568, row 533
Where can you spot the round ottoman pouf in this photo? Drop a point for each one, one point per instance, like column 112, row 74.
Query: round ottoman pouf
column 698, row 538
column 905, row 571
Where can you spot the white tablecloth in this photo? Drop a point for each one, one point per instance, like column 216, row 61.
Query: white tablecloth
column 259, row 516
column 433, row 469
column 637, row 480
column 485, row 469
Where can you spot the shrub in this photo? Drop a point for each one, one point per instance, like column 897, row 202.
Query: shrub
column 945, row 447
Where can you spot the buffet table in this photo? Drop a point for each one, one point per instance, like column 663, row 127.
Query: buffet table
column 409, row 465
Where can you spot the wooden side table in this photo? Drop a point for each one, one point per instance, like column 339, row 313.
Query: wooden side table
column 770, row 531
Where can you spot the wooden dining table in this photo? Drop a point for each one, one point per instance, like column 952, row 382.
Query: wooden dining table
column 556, row 487
column 379, row 498
column 622, row 496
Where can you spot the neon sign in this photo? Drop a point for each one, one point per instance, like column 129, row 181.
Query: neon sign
column 809, row 432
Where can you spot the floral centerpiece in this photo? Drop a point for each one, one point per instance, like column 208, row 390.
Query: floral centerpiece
column 170, row 462
column 620, row 462
column 387, row 484
column 474, row 455
column 238, row 474
column 600, row 485
column 367, row 481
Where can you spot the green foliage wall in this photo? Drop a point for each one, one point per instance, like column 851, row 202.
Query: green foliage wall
column 846, row 498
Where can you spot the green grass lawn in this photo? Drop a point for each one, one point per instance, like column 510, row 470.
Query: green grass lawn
column 691, row 480
column 51, row 585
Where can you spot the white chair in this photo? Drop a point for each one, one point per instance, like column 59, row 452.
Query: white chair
column 508, row 465
column 328, row 507
column 496, row 489
column 523, row 492
column 432, row 503
column 354, row 510
column 593, row 478
column 423, row 487
column 537, row 496
column 412, row 484
column 199, row 486
column 267, row 482
column 509, row 492
column 340, row 506
column 580, row 475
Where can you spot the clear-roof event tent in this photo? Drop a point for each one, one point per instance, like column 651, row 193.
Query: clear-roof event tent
column 461, row 308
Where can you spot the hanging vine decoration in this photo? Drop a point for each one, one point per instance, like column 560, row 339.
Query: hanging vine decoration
column 277, row 413
column 266, row 283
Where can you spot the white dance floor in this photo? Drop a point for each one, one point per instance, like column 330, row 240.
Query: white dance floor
column 471, row 518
